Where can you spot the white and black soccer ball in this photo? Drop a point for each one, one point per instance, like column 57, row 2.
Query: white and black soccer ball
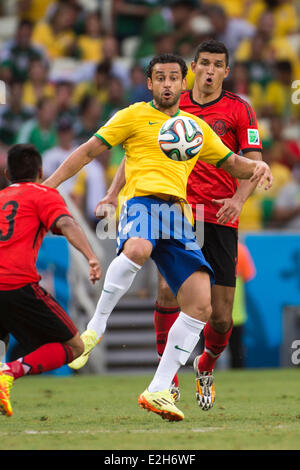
column 180, row 138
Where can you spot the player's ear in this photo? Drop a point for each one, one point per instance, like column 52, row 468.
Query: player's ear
column 184, row 84
column 193, row 66
column 40, row 174
column 149, row 84
column 227, row 70
column 6, row 174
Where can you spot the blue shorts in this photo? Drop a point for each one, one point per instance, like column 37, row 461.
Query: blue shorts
column 175, row 249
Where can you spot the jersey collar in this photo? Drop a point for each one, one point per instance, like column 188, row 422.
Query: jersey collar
column 210, row 103
column 153, row 106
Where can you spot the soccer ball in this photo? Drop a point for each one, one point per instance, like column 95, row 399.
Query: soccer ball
column 180, row 138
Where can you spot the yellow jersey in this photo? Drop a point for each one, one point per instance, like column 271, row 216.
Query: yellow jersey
column 148, row 171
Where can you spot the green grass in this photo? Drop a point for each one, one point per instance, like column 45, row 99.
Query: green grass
column 257, row 409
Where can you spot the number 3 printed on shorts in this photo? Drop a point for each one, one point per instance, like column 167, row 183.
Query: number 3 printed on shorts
column 11, row 219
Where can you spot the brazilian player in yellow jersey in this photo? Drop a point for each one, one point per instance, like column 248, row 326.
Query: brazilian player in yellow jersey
column 152, row 180
column 147, row 169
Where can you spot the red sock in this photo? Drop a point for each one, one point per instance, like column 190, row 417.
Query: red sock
column 214, row 343
column 47, row 357
column 164, row 317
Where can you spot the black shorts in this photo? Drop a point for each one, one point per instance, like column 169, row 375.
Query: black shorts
column 220, row 250
column 33, row 317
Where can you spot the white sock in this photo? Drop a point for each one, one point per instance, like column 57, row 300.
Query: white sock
column 182, row 339
column 118, row 279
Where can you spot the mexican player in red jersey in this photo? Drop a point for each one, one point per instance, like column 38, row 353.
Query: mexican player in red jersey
column 233, row 119
column 27, row 211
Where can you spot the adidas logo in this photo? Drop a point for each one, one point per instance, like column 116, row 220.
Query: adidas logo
column 162, row 401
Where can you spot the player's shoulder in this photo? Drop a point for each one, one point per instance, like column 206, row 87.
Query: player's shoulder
column 133, row 111
column 240, row 107
column 138, row 106
column 38, row 187
column 239, row 101
column 37, row 190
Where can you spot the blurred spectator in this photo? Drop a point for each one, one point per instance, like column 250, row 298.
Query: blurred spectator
column 182, row 14
column 64, row 100
column 284, row 150
column 257, row 210
column 164, row 43
column 56, row 35
column 286, row 212
column 245, row 273
column 138, row 90
column 238, row 80
column 116, row 98
column 41, row 131
column 278, row 93
column 275, row 48
column 233, row 8
column 14, row 114
column 37, row 85
column 97, row 87
column 33, row 10
column 90, row 187
column 284, row 11
column 129, row 16
column 155, row 25
column 53, row 157
column 89, row 119
column 274, row 150
column 230, row 31
column 18, row 52
column 119, row 66
column 90, row 42
column 259, row 67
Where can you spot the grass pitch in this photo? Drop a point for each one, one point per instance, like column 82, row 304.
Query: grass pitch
column 256, row 409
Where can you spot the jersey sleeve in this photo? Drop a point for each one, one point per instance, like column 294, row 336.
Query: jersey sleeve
column 117, row 128
column 213, row 150
column 247, row 132
column 51, row 207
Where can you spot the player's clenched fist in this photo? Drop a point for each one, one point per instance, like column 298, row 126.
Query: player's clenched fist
column 95, row 270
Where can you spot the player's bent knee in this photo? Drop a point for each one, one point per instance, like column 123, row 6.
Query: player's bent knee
column 201, row 313
column 137, row 250
column 220, row 326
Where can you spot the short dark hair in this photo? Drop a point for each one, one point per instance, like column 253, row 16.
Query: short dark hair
column 23, row 163
column 167, row 59
column 214, row 47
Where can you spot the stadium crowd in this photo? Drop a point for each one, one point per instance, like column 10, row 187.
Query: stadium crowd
column 69, row 65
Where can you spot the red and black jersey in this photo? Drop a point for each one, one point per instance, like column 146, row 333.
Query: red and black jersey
column 234, row 121
column 27, row 212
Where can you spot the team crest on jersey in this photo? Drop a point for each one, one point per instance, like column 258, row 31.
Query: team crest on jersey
column 220, row 128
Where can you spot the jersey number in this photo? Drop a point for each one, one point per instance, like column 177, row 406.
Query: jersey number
column 10, row 218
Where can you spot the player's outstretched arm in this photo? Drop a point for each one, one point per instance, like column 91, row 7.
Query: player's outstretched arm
column 75, row 161
column 111, row 197
column 75, row 235
column 256, row 171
